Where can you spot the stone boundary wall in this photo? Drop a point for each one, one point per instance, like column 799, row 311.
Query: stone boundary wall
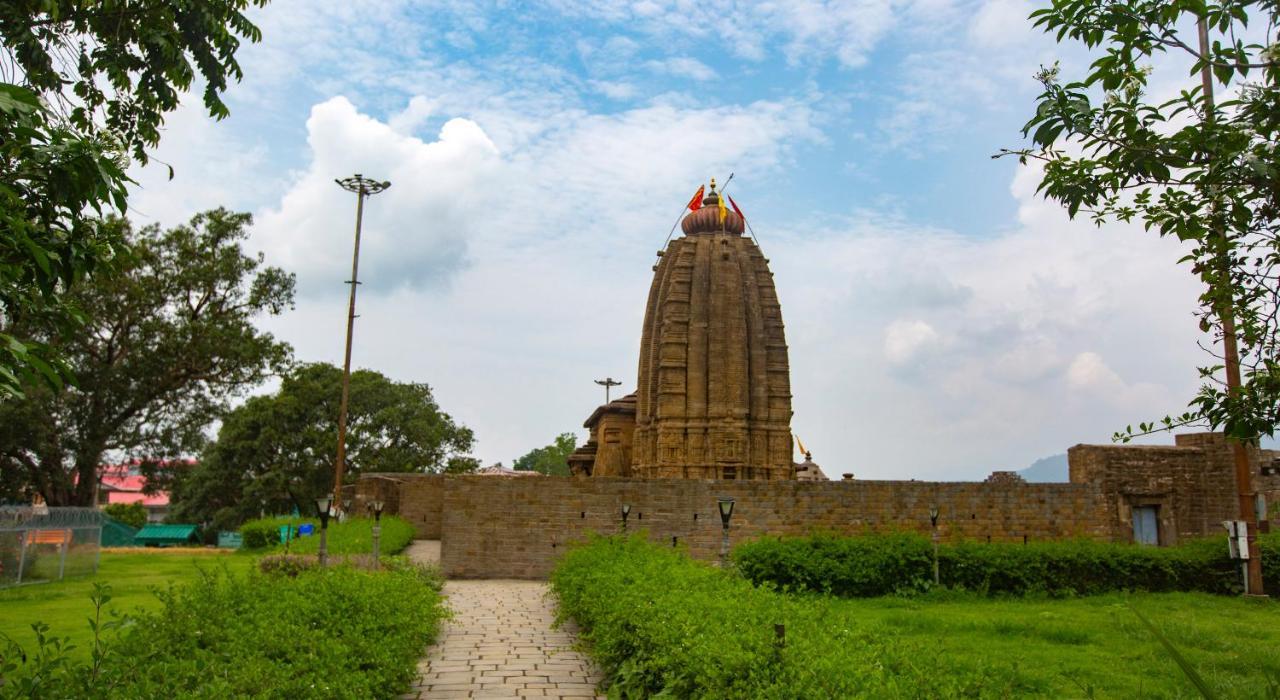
column 516, row 528
column 414, row 497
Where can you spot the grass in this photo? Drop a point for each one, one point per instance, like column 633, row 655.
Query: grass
column 1095, row 645
column 133, row 575
column 354, row 536
column 657, row 621
column 135, row 572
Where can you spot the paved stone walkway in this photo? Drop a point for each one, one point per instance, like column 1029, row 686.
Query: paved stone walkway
column 499, row 644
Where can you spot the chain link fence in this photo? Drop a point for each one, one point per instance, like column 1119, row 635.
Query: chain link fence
column 40, row 544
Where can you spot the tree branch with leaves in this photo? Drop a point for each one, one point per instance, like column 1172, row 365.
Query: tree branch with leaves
column 1205, row 173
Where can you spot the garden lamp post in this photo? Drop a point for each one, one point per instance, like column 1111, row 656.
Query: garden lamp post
column 933, row 520
column 726, row 512
column 376, row 507
column 322, row 505
column 626, row 510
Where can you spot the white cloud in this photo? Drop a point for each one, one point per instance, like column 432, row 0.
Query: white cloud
column 682, row 67
column 904, row 341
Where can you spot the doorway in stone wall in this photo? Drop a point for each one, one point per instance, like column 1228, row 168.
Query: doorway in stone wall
column 1146, row 525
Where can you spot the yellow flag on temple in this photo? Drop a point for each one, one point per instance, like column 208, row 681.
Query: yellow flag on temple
column 724, row 211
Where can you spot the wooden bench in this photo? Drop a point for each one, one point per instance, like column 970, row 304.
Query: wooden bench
column 56, row 537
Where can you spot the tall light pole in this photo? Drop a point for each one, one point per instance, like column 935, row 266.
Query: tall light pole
column 363, row 187
column 608, row 382
column 1231, row 360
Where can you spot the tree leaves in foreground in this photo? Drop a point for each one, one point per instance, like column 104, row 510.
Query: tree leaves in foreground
column 552, row 460
column 119, row 66
column 82, row 85
column 275, row 453
column 53, row 182
column 168, row 340
column 1209, row 175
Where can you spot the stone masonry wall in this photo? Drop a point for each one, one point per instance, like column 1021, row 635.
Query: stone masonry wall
column 515, row 528
column 1191, row 483
column 417, row 498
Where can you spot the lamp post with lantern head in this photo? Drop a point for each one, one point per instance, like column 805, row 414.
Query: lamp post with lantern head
column 726, row 512
column 323, row 505
column 376, row 506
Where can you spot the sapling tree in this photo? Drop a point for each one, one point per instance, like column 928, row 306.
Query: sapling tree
column 1202, row 170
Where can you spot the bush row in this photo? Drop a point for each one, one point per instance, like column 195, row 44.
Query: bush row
column 874, row 565
column 322, row 633
column 661, row 624
column 355, row 536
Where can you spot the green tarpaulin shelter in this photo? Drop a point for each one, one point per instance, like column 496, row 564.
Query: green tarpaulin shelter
column 165, row 535
column 117, row 534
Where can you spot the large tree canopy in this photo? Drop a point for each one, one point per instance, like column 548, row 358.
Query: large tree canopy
column 168, row 341
column 276, row 452
column 1205, row 172
column 552, row 460
column 82, row 85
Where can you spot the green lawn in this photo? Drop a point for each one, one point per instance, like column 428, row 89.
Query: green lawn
column 657, row 621
column 64, row 605
column 1070, row 648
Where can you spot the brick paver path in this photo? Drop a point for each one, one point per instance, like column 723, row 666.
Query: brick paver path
column 500, row 644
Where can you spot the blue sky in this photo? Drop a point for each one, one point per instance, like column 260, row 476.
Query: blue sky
column 539, row 152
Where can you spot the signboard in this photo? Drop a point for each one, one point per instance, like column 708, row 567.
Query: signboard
column 1237, row 538
column 230, row 540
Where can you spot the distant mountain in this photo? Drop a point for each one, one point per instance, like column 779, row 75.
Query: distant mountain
column 1047, row 469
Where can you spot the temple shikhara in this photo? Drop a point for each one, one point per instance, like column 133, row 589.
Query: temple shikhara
column 713, row 395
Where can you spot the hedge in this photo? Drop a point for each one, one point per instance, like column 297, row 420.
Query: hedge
column 874, row 565
column 323, row 633
column 355, row 536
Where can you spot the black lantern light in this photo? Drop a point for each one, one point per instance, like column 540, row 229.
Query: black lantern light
column 933, row 516
column 323, row 505
column 376, row 507
column 726, row 511
column 626, row 510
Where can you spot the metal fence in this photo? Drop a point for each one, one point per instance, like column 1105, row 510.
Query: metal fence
column 39, row 544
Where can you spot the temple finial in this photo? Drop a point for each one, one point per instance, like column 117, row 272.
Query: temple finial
column 713, row 184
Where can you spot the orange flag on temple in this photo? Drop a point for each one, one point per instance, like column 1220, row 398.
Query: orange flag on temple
column 738, row 211
column 696, row 203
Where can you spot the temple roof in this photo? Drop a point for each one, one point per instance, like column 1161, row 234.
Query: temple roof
column 625, row 405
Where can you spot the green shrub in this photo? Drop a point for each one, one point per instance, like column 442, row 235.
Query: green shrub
column 874, row 565
column 355, row 536
column 658, row 622
column 257, row 534
column 131, row 514
column 324, row 633
column 287, row 564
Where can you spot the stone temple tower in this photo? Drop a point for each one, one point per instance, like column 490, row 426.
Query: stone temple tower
column 714, row 388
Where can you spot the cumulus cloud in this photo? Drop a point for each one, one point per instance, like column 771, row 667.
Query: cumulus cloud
column 905, row 341
column 415, row 233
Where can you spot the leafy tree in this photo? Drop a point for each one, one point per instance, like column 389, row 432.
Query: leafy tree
column 1205, row 172
column 552, row 460
column 83, row 84
column 276, row 452
column 168, row 341
column 118, row 66
column 132, row 514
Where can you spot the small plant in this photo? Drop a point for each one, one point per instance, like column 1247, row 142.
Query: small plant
column 286, row 564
